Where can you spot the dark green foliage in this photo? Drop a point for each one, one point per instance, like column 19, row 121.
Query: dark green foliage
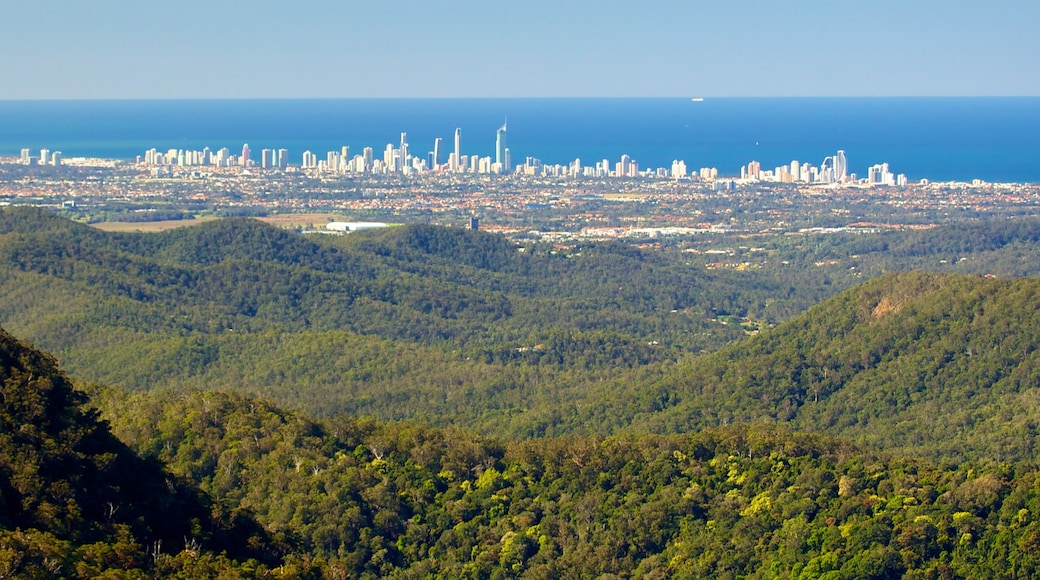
column 357, row 498
column 934, row 364
column 455, row 327
column 65, row 477
column 401, row 499
column 219, row 303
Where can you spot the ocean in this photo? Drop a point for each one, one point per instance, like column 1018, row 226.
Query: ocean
column 995, row 139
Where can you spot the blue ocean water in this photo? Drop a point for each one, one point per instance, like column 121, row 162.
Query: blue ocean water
column 995, row 139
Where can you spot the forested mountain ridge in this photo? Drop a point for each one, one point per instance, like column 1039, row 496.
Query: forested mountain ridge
column 455, row 327
column 74, row 500
column 356, row 498
column 241, row 304
column 923, row 363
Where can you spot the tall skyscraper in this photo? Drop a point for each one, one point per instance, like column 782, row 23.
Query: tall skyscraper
column 458, row 149
column 404, row 161
column 841, row 167
column 369, row 156
column 500, row 147
column 245, row 155
column 436, row 154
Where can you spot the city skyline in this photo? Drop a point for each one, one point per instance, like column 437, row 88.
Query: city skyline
column 832, row 170
column 324, row 49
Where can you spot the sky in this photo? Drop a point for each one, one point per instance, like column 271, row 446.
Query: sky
column 129, row 49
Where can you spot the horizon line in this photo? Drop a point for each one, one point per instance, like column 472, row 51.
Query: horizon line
column 503, row 98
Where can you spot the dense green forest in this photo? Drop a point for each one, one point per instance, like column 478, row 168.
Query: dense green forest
column 446, row 326
column 931, row 364
column 427, row 401
column 210, row 484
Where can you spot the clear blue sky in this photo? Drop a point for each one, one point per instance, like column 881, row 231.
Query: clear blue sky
column 71, row 49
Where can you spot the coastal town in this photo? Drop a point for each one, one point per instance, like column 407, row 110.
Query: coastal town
column 544, row 205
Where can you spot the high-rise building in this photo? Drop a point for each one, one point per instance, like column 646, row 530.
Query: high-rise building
column 404, row 160
column 753, row 170
column 244, row 160
column 841, row 167
column 26, row 156
column 435, row 163
column 458, row 150
column 827, row 169
column 369, row 156
column 500, row 147
column 678, row 169
column 283, row 158
column 45, row 155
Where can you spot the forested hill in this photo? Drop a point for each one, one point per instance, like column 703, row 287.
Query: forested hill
column 255, row 491
column 942, row 365
column 413, row 321
column 70, row 490
column 455, row 327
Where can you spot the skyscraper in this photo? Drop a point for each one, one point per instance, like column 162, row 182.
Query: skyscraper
column 841, row 167
column 404, row 152
column 500, row 147
column 458, row 149
column 245, row 155
column 827, row 169
column 436, row 154
column 369, row 156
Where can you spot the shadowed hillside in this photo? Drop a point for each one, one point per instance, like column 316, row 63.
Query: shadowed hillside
column 74, row 499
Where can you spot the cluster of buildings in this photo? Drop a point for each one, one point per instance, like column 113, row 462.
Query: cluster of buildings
column 47, row 157
column 398, row 158
column 834, row 169
column 270, row 158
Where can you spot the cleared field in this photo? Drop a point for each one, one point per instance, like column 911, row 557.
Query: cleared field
column 317, row 220
column 149, row 227
column 292, row 220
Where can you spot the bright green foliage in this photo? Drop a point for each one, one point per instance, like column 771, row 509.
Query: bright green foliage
column 356, row 498
column 400, row 499
column 580, row 353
